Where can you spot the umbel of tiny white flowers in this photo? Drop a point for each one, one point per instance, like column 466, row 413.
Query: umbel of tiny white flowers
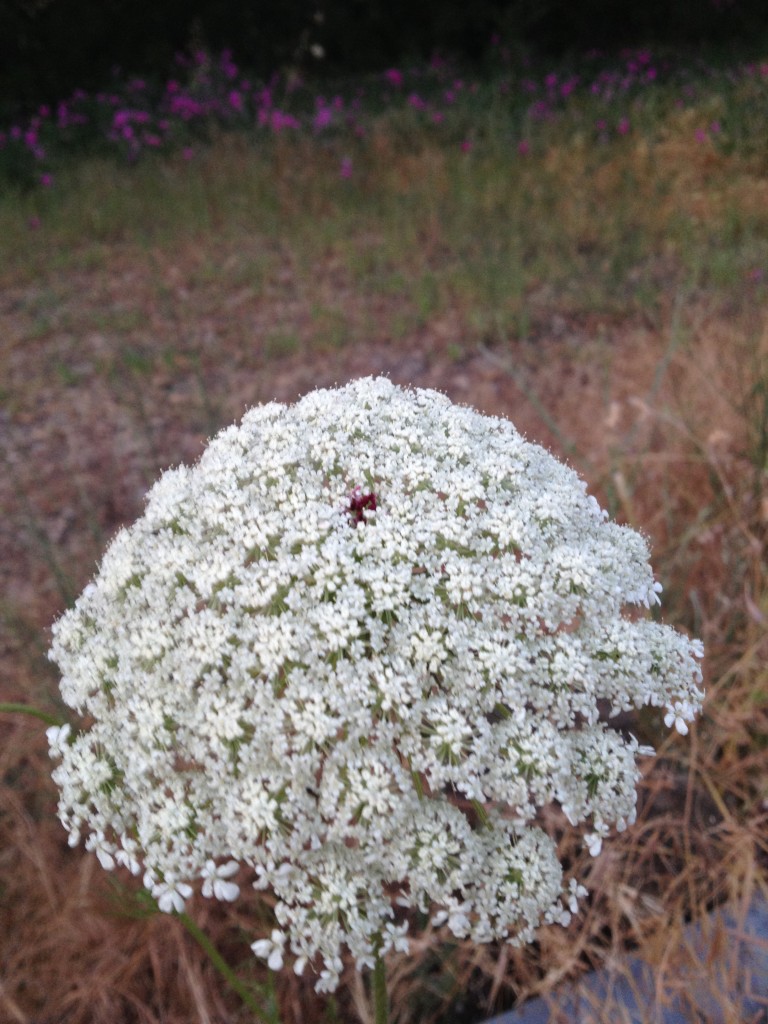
column 351, row 653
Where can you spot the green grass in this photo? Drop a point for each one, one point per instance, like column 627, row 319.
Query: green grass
column 601, row 227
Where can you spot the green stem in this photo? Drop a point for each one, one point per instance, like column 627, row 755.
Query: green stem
column 222, row 966
column 379, row 986
column 25, row 709
column 482, row 813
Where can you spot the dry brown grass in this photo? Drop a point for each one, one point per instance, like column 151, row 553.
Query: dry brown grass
column 119, row 365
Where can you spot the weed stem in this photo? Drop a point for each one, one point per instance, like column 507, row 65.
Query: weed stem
column 222, row 966
column 25, row 709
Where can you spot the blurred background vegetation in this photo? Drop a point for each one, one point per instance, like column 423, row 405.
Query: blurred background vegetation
column 48, row 48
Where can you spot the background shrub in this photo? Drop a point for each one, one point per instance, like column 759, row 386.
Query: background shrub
column 48, row 48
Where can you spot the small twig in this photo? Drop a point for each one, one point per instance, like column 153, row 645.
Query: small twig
column 569, row 447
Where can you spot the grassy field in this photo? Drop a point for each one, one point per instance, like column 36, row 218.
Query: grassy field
column 601, row 284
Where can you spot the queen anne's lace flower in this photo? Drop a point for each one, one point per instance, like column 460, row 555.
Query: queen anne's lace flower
column 354, row 650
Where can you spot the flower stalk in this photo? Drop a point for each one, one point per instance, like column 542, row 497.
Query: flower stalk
column 379, row 991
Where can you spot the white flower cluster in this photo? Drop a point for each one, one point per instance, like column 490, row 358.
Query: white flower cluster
column 352, row 652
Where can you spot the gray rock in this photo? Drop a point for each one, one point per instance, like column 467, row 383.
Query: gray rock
column 718, row 974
